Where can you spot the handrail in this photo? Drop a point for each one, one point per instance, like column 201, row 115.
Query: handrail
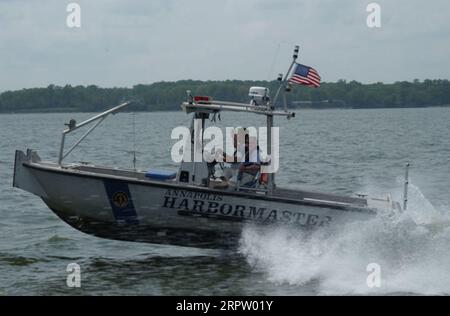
column 72, row 126
column 234, row 107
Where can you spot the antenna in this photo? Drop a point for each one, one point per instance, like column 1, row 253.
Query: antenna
column 405, row 189
column 273, row 61
column 134, row 141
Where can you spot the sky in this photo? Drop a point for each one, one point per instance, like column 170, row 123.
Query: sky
column 122, row 43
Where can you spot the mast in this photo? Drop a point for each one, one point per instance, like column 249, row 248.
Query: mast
column 271, row 176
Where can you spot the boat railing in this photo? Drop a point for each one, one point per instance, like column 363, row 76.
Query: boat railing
column 216, row 106
column 73, row 126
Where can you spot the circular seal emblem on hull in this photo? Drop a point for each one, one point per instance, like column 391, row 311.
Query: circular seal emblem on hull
column 120, row 199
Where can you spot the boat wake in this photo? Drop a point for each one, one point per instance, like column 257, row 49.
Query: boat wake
column 412, row 250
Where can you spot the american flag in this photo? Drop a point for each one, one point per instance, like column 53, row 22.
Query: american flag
column 305, row 75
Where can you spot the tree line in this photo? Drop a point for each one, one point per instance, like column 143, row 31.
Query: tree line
column 167, row 96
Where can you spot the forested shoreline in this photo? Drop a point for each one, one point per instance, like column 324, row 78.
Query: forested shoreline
column 167, row 96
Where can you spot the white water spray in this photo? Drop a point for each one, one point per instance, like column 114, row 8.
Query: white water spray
column 412, row 249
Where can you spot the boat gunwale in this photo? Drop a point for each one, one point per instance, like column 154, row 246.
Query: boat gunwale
column 80, row 173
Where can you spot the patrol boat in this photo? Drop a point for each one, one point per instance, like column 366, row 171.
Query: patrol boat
column 189, row 206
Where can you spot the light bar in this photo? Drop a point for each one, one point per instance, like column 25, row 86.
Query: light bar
column 202, row 99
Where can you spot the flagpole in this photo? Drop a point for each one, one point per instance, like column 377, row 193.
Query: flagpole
column 271, row 175
column 294, row 59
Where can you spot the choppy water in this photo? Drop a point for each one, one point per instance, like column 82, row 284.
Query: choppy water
column 341, row 151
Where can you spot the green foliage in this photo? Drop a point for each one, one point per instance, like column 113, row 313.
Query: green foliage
column 169, row 95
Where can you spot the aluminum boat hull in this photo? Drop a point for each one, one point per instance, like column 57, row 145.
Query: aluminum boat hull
column 124, row 205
